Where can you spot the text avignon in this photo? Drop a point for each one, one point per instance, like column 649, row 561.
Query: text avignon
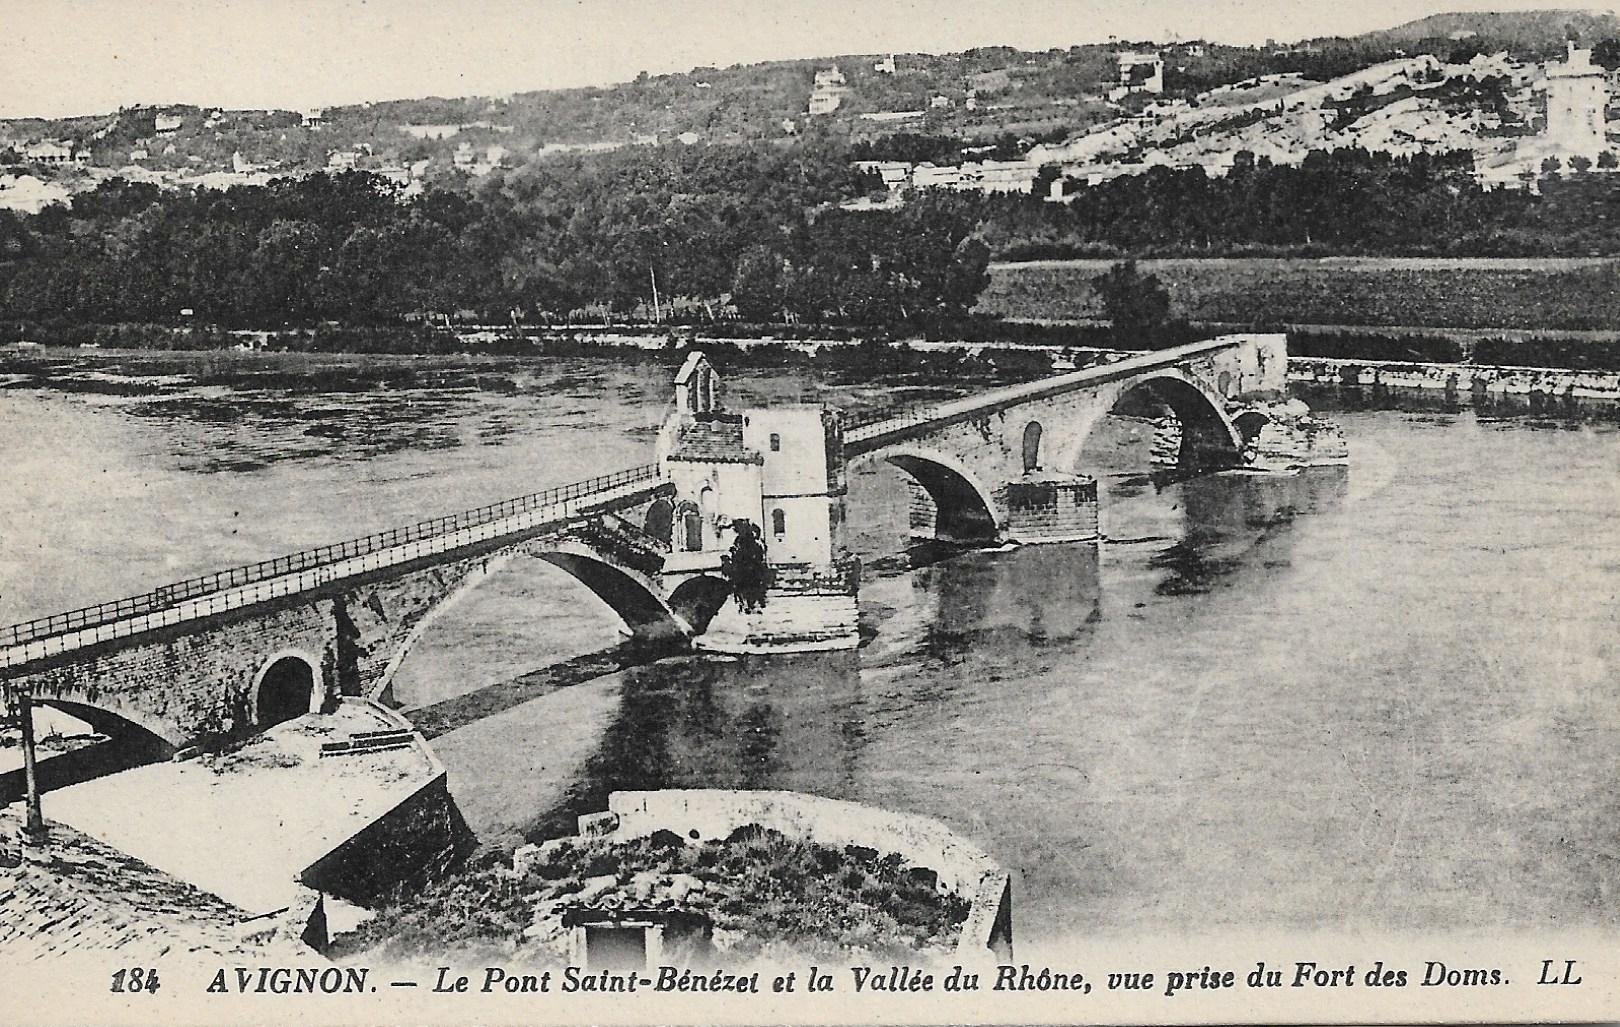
column 286, row 980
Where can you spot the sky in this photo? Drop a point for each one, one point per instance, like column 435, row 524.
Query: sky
column 65, row 57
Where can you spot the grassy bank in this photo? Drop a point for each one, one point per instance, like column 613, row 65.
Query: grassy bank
column 1580, row 294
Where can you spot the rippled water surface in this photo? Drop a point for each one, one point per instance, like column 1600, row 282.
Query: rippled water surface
column 1381, row 699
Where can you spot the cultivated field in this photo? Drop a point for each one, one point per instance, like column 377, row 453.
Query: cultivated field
column 1506, row 293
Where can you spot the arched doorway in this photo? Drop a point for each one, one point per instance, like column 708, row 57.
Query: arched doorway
column 286, row 690
column 691, row 528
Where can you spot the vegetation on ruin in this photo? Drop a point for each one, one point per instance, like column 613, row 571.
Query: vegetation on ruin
column 761, row 890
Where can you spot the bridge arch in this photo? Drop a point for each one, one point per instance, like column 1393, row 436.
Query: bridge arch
column 964, row 508
column 697, row 599
column 286, row 686
column 111, row 717
column 640, row 612
column 1208, row 436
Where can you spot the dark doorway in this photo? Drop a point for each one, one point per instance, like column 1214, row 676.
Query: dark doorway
column 1032, row 446
column 691, row 529
column 660, row 523
column 285, row 691
column 616, row 948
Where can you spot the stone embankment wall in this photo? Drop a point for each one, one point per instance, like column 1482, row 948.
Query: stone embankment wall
column 1538, row 389
column 960, row 867
column 1601, row 387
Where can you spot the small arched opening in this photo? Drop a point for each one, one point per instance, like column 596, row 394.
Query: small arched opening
column 1249, row 425
column 285, row 690
column 1032, row 446
column 691, row 527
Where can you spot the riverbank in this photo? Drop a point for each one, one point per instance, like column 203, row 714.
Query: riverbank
column 868, row 349
column 1344, row 369
column 1475, row 293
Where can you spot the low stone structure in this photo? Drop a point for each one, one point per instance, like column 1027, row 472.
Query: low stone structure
column 349, row 804
column 708, row 814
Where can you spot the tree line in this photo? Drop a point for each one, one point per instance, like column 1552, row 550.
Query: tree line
column 542, row 240
column 757, row 231
column 1344, row 202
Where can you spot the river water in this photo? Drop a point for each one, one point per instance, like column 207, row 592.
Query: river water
column 1381, row 699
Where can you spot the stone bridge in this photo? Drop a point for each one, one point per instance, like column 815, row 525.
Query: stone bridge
column 733, row 539
column 999, row 466
column 260, row 644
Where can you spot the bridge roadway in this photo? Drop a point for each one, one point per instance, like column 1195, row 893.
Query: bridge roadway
column 198, row 598
column 891, row 427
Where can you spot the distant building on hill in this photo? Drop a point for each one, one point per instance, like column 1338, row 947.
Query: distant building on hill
column 1577, row 94
column 829, row 91
column 894, row 173
column 50, row 151
column 1139, row 73
column 168, row 124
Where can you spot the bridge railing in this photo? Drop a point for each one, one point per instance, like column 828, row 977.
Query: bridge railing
column 897, row 417
column 171, row 595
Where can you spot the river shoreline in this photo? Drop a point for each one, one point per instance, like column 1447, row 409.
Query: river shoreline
column 1498, row 390
column 775, row 344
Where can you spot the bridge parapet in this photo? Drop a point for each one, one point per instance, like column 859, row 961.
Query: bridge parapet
column 305, row 571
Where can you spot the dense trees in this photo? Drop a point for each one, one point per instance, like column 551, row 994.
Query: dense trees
column 547, row 238
column 1344, row 202
column 759, row 225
